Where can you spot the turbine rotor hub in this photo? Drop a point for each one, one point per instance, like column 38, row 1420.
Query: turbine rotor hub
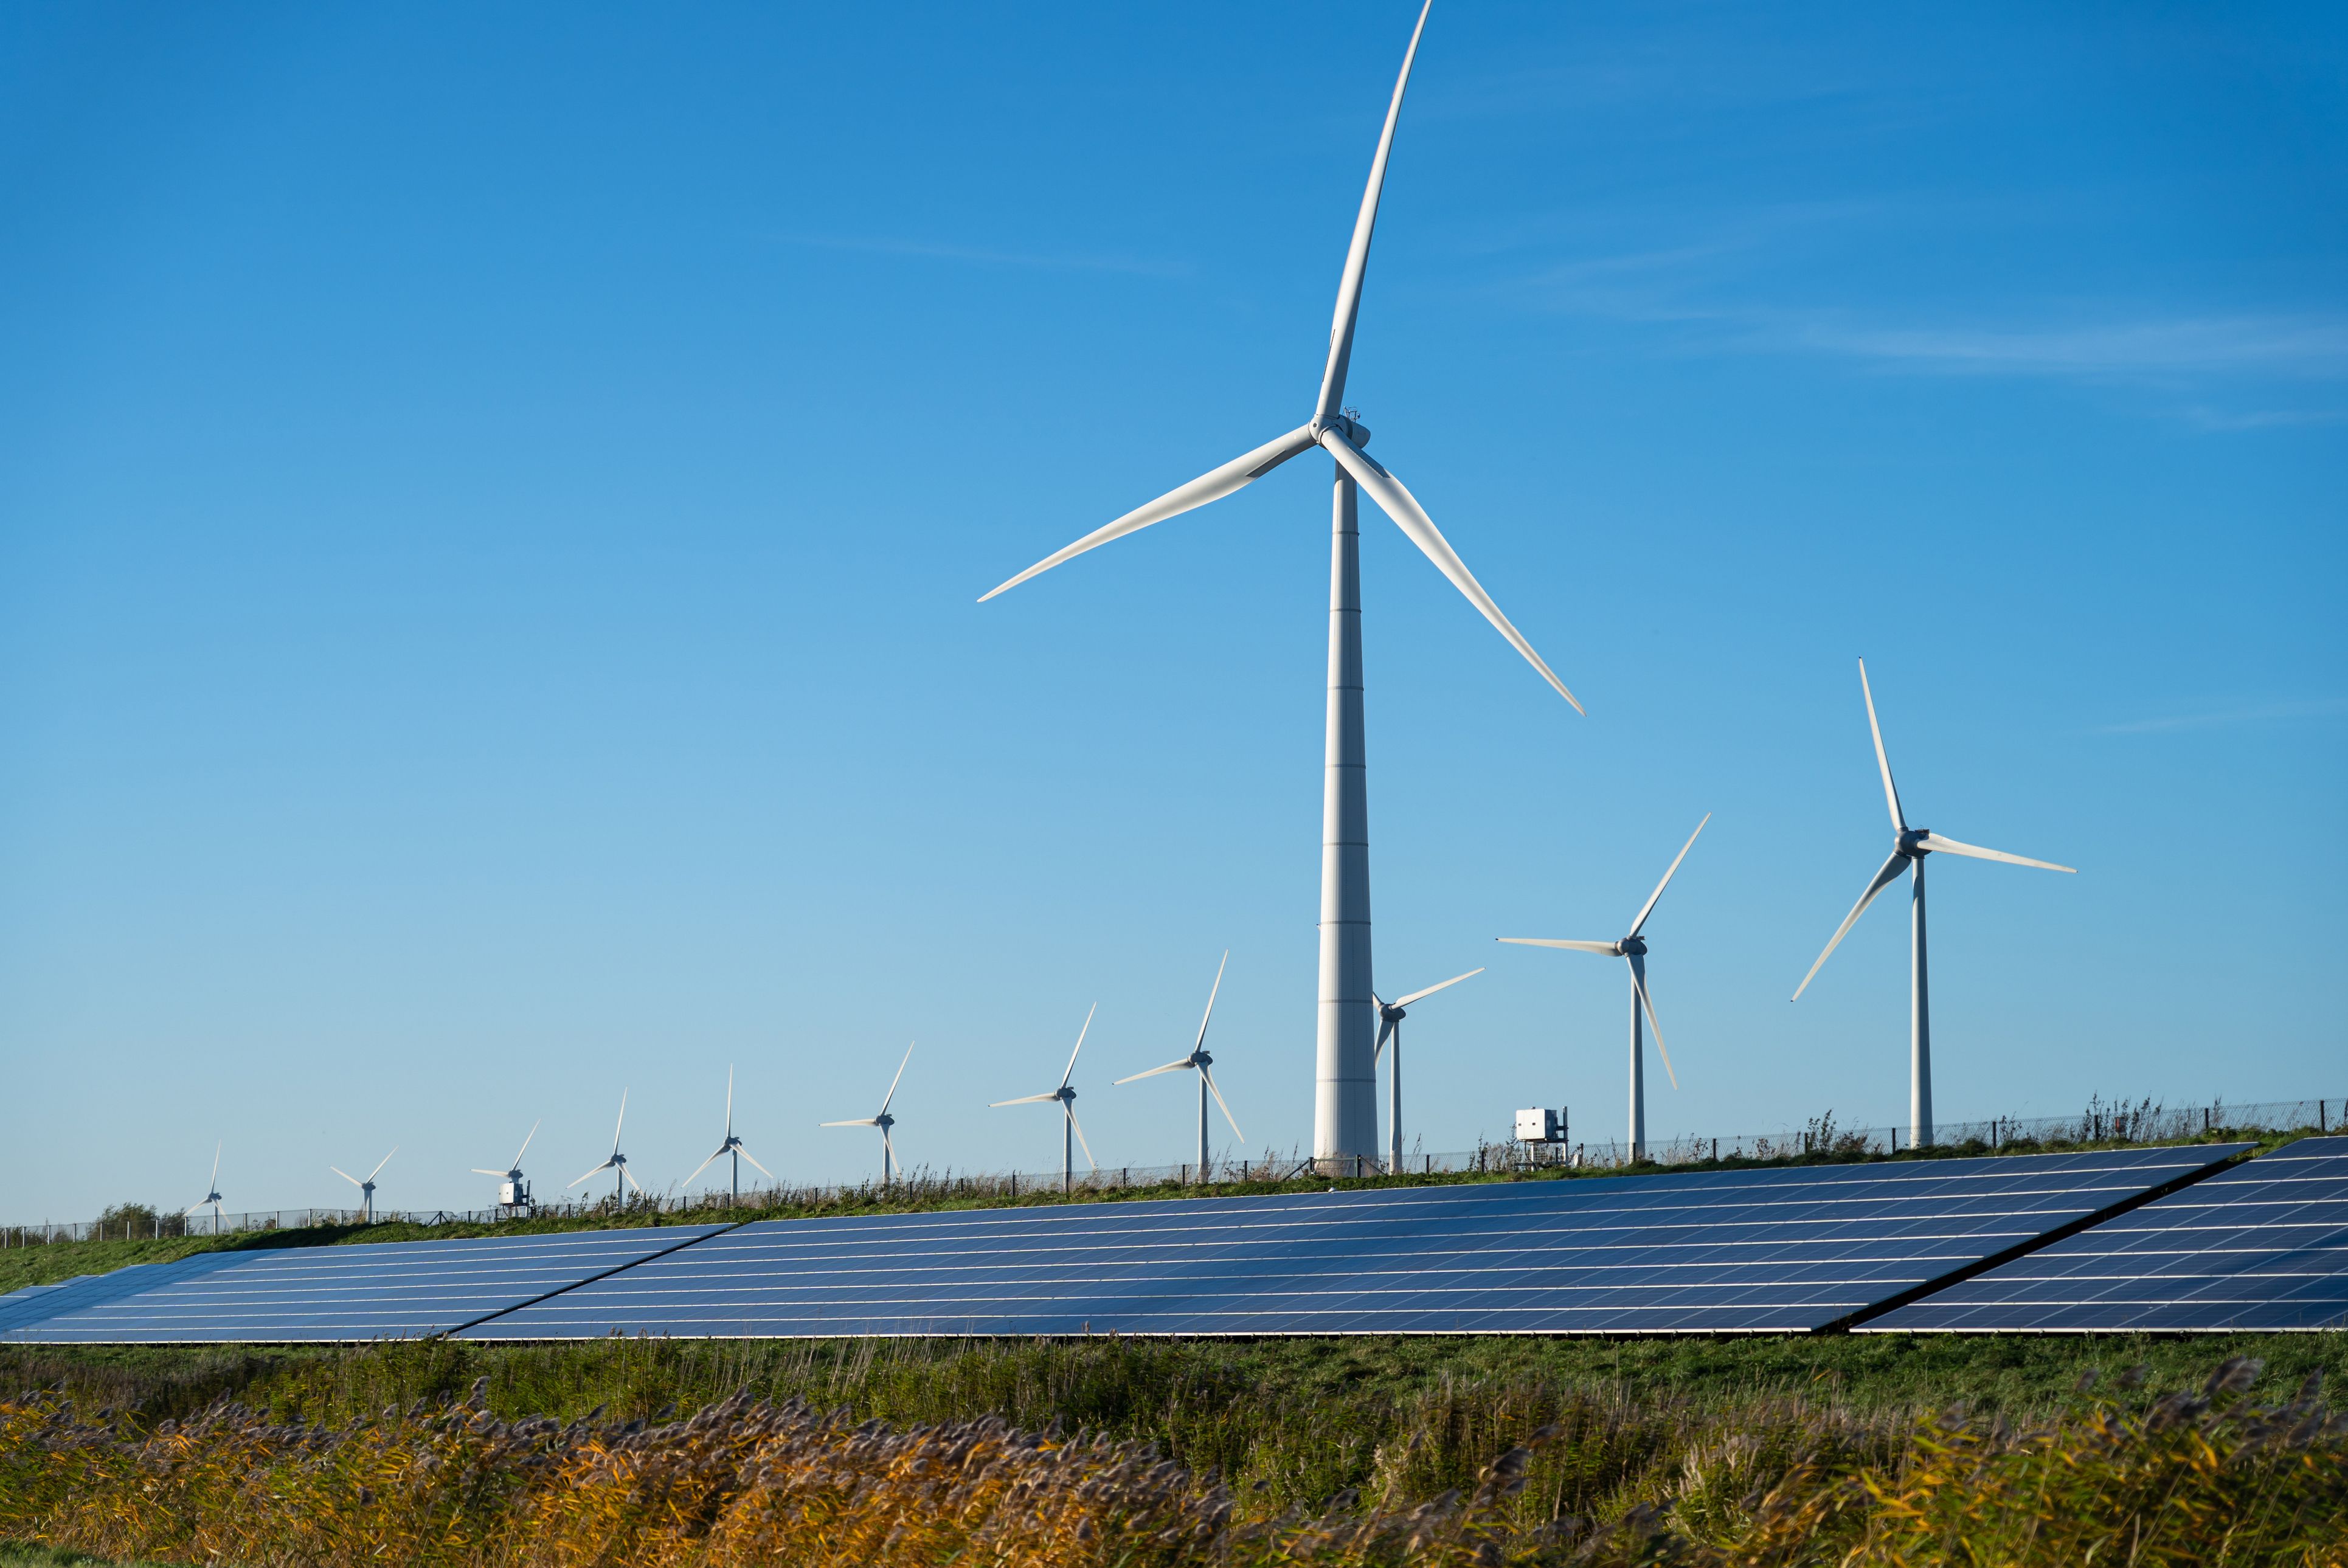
column 1631, row 947
column 1912, row 843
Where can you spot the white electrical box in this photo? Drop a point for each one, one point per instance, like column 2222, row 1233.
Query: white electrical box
column 1540, row 1126
column 513, row 1195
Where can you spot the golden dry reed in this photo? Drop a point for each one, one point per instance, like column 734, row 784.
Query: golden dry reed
column 2201, row 1477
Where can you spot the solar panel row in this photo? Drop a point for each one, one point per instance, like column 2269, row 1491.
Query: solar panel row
column 1711, row 1252
column 2261, row 1245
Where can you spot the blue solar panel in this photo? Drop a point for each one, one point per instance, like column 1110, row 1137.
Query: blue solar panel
column 2262, row 1245
column 393, row 1290
column 1716, row 1252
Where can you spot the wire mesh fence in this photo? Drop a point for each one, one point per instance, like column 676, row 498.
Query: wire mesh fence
column 2117, row 1121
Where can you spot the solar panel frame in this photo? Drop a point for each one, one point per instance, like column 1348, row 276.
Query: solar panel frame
column 1775, row 1250
column 2260, row 1246
column 335, row 1294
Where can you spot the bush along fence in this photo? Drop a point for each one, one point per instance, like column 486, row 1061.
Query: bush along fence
column 2117, row 1121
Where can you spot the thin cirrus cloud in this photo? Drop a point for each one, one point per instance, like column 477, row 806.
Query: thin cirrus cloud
column 2263, row 712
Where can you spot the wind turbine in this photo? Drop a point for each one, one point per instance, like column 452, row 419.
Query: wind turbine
column 1071, row 1134
column 1390, row 1017
column 616, row 1162
column 1199, row 1059
column 211, row 1191
column 883, row 1121
column 1908, row 847
column 513, row 1189
column 732, row 1145
column 1346, row 1109
column 1632, row 951
column 367, row 1187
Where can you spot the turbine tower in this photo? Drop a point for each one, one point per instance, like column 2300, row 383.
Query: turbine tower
column 513, row 1187
column 1632, row 951
column 1390, row 1017
column 616, row 1162
column 1908, row 847
column 884, row 1120
column 1071, row 1134
column 1200, row 1060
column 1344, row 1109
column 367, row 1187
column 211, row 1192
column 733, row 1146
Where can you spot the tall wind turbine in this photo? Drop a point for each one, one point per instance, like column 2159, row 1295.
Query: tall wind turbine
column 616, row 1162
column 733, row 1146
column 1204, row 1062
column 513, row 1187
column 1390, row 1017
column 1071, row 1134
column 883, row 1121
column 211, row 1192
column 1632, row 951
column 1908, row 847
column 1345, row 1109
column 367, row 1187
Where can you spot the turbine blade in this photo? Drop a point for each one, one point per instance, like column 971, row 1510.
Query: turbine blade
column 476, row 1171
column 596, row 1171
column 1411, row 517
column 1023, row 1100
column 899, row 1079
column 1385, row 1028
column 1405, row 1001
column 1650, row 908
column 1079, row 1129
column 621, row 1122
column 1883, row 878
column 859, row 1121
column 1891, row 790
column 1201, row 1041
column 346, row 1175
column 1218, row 1093
column 525, row 1145
column 1606, row 948
column 631, row 1178
column 1208, row 486
column 379, row 1165
column 1357, row 255
column 195, row 1208
column 1975, row 852
column 755, row 1165
column 729, row 1102
column 1080, row 1045
column 216, row 1154
column 1639, row 980
column 700, row 1167
column 1169, row 1067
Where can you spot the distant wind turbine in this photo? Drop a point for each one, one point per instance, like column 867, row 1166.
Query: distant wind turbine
column 513, row 1188
column 616, row 1162
column 1908, row 847
column 733, row 1146
column 1204, row 1062
column 1390, row 1017
column 367, row 1187
column 1071, row 1134
column 1345, row 1107
column 211, row 1192
column 883, row 1121
column 1633, row 949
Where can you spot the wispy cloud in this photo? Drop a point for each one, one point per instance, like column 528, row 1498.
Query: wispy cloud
column 2306, row 345
column 2264, row 713
column 1038, row 260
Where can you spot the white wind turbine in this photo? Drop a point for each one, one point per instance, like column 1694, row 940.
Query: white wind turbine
column 1908, row 847
column 1345, row 1109
column 513, row 1187
column 1632, row 951
column 733, row 1146
column 211, row 1192
column 1071, row 1134
column 367, row 1187
column 1204, row 1062
column 616, row 1162
column 1390, row 1017
column 883, row 1121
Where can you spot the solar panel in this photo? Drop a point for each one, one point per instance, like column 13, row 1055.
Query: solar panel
column 1711, row 1252
column 392, row 1290
column 2261, row 1245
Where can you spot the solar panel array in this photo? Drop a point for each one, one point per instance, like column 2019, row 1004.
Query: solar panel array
column 1753, row 1251
column 2263, row 1246
column 283, row 1294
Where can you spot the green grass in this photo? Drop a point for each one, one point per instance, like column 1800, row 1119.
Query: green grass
column 20, row 1554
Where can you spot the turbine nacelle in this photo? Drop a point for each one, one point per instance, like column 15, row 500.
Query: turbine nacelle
column 1355, row 434
column 1912, row 844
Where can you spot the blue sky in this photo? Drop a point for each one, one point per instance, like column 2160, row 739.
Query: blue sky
column 492, row 503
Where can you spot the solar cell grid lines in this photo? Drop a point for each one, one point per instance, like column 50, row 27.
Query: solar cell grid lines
column 329, row 1294
column 2261, row 1245
column 1717, row 1252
